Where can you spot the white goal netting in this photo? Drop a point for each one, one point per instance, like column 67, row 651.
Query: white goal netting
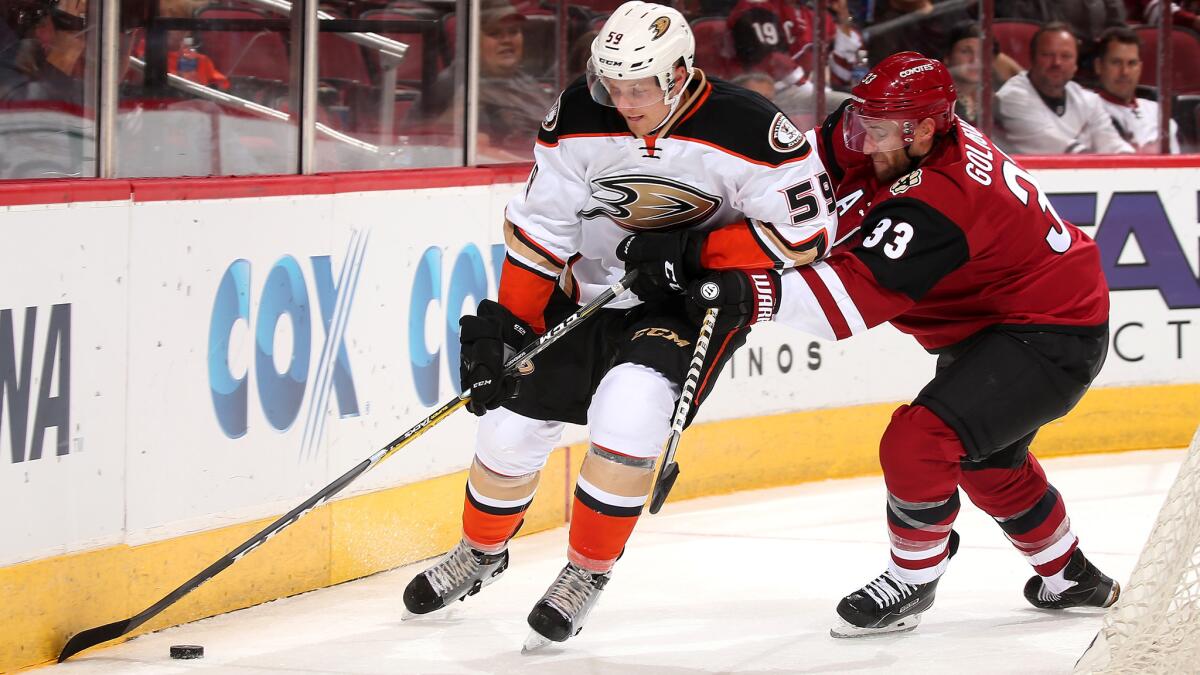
column 1155, row 625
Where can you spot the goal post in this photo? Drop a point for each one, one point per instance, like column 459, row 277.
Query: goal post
column 1154, row 627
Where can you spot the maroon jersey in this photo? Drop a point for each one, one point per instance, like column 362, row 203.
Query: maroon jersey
column 966, row 241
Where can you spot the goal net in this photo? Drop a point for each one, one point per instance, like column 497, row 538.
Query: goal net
column 1154, row 627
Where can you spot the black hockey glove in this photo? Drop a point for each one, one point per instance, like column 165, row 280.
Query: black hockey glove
column 489, row 339
column 743, row 297
column 665, row 262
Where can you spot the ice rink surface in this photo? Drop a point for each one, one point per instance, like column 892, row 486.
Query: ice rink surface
column 744, row 583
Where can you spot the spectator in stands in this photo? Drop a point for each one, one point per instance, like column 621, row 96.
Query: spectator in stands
column 182, row 58
column 1044, row 112
column 964, row 60
column 795, row 102
column 918, row 25
column 1186, row 14
column 512, row 103
column 46, row 61
column 1119, row 66
column 757, row 82
column 775, row 37
column 13, row 56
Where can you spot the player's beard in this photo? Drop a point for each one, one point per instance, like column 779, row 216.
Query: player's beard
column 891, row 165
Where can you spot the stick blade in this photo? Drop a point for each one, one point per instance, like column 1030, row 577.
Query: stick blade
column 92, row 637
column 662, row 487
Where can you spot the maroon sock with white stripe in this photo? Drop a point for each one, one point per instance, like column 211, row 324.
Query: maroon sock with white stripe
column 1029, row 510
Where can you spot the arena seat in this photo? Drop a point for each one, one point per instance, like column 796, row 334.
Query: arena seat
column 262, row 55
column 714, row 46
column 1013, row 36
column 1185, row 58
column 340, row 60
column 413, row 67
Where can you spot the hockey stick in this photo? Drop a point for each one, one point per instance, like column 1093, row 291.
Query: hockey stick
column 111, row 631
column 670, row 470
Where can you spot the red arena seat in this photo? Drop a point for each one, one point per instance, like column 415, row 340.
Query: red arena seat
column 1185, row 58
column 1013, row 37
column 411, row 67
column 714, row 46
column 340, row 59
column 257, row 54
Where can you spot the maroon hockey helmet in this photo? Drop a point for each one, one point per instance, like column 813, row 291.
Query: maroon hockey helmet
column 893, row 98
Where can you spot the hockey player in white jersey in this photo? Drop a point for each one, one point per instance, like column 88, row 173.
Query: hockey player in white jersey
column 644, row 144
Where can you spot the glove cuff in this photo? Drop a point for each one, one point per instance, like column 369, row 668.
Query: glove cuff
column 512, row 330
column 766, row 287
column 693, row 250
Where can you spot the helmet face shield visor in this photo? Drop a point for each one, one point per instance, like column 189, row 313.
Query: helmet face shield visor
column 874, row 134
column 624, row 94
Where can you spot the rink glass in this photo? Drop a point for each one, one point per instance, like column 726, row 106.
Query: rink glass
column 371, row 84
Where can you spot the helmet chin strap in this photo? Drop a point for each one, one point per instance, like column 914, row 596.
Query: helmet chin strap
column 674, row 103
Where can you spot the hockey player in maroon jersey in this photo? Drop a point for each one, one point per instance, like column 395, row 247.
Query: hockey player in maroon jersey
column 958, row 246
column 644, row 142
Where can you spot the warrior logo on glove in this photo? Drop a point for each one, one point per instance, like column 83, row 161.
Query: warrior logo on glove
column 744, row 297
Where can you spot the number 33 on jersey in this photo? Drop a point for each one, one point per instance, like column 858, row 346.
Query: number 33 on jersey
column 935, row 251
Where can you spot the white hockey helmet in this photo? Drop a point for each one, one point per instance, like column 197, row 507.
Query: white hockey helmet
column 641, row 40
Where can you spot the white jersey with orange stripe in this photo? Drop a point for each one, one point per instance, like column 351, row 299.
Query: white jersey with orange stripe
column 727, row 160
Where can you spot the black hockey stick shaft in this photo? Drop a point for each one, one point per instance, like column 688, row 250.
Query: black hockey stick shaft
column 670, row 469
column 111, row 631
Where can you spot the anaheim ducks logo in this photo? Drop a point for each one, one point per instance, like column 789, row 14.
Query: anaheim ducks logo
column 651, row 203
column 659, row 27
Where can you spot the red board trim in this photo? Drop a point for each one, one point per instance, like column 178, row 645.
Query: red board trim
column 1109, row 161
column 54, row 191
column 23, row 192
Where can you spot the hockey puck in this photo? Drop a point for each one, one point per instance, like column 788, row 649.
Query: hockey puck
column 187, row 652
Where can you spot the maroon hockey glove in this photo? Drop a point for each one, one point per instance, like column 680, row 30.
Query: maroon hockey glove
column 743, row 297
column 665, row 261
column 489, row 339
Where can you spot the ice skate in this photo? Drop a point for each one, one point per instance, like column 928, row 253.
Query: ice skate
column 1092, row 588
column 461, row 572
column 886, row 605
column 564, row 608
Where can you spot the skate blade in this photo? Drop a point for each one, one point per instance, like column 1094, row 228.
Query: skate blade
column 407, row 615
column 534, row 642
column 844, row 629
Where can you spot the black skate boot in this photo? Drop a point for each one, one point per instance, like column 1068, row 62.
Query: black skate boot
column 564, row 608
column 461, row 572
column 1092, row 588
column 886, row 605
